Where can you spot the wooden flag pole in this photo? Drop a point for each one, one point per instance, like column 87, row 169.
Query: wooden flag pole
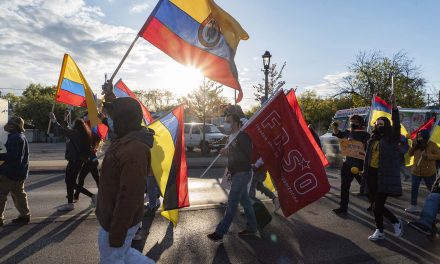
column 50, row 121
column 123, row 58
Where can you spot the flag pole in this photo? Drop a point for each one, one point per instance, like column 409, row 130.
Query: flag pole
column 266, row 103
column 392, row 84
column 50, row 122
column 123, row 58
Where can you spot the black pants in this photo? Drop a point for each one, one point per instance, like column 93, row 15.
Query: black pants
column 378, row 201
column 72, row 170
column 346, row 179
column 89, row 166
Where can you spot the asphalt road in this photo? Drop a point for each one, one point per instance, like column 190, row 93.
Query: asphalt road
column 313, row 235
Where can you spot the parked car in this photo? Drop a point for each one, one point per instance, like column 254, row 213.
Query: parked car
column 214, row 139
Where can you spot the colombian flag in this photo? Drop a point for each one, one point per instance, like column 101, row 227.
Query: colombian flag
column 380, row 108
column 121, row 90
column 435, row 136
column 74, row 90
column 197, row 33
column 426, row 126
column 168, row 162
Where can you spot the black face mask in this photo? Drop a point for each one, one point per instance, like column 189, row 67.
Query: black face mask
column 355, row 126
column 380, row 129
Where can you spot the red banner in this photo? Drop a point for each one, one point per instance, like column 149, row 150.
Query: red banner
column 288, row 154
column 291, row 98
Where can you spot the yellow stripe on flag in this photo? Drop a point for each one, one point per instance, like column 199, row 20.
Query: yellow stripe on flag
column 435, row 136
column 197, row 9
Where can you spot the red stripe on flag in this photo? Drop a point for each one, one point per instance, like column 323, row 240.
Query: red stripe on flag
column 379, row 100
column 291, row 98
column 69, row 98
column 123, row 87
column 213, row 67
column 180, row 158
column 427, row 126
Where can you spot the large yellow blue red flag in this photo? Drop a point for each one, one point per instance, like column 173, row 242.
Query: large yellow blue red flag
column 197, row 33
column 168, row 162
column 73, row 89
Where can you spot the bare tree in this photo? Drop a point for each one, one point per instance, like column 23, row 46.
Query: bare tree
column 156, row 100
column 371, row 74
column 275, row 82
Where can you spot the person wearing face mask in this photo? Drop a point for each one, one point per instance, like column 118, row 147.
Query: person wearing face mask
column 15, row 170
column 382, row 164
column 425, row 153
column 126, row 165
column 357, row 132
column 239, row 155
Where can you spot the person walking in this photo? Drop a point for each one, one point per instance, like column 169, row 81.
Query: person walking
column 382, row 164
column 15, row 170
column 348, row 171
column 315, row 135
column 259, row 175
column 426, row 153
column 239, row 155
column 77, row 152
column 120, row 206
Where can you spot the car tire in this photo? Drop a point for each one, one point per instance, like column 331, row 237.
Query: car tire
column 204, row 147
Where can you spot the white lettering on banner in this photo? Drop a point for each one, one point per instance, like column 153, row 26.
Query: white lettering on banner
column 283, row 138
column 293, row 158
column 305, row 183
column 272, row 120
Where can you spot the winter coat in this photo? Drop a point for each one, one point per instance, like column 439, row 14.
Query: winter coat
column 122, row 184
column 76, row 147
column 427, row 166
column 16, row 158
column 390, row 160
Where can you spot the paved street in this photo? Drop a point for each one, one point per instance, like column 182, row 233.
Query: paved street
column 313, row 235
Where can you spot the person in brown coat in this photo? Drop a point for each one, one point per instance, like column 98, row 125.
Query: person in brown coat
column 120, row 206
column 425, row 153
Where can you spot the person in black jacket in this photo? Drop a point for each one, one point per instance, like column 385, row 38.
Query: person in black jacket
column 357, row 132
column 78, row 148
column 382, row 164
column 426, row 223
column 239, row 155
column 15, row 170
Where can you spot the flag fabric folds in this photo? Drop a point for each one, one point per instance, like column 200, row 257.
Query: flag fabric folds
column 426, row 126
column 293, row 102
column 168, row 162
column 380, row 108
column 288, row 154
column 435, row 136
column 197, row 33
column 120, row 89
column 73, row 89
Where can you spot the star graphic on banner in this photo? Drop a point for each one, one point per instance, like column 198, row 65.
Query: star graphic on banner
column 304, row 164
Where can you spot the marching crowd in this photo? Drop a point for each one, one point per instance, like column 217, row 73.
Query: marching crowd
column 125, row 175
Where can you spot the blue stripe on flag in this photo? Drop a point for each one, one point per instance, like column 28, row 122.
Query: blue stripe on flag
column 172, row 124
column 73, row 87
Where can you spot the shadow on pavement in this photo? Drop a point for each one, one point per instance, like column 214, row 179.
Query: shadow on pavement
column 44, row 183
column 159, row 248
column 221, row 256
column 58, row 234
column 147, row 222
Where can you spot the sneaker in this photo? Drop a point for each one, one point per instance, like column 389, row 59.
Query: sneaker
column 93, row 200
column 66, row 207
column 215, row 237
column 247, row 233
column 412, row 209
column 398, row 228
column 276, row 203
column 22, row 220
column 420, row 228
column 378, row 235
column 340, row 211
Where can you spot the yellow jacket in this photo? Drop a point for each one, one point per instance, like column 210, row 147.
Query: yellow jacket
column 427, row 165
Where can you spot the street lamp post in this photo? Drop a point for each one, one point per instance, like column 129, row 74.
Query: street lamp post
column 266, row 64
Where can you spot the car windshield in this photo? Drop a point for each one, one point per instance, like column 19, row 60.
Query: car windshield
column 210, row 129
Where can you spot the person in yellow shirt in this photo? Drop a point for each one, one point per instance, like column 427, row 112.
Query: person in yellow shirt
column 425, row 153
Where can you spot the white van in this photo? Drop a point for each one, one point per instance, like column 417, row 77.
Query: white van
column 214, row 139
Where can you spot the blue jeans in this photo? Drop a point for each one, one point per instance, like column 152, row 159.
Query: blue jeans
column 238, row 194
column 122, row 255
column 429, row 181
column 153, row 191
column 430, row 210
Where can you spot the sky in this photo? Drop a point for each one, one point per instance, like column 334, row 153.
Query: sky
column 317, row 39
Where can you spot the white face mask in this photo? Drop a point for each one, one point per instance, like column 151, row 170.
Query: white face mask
column 228, row 128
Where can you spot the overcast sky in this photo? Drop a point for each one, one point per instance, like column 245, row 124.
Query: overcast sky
column 317, row 39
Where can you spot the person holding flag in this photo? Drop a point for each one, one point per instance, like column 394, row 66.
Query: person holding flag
column 239, row 155
column 351, row 166
column 120, row 206
column 425, row 153
column 382, row 164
